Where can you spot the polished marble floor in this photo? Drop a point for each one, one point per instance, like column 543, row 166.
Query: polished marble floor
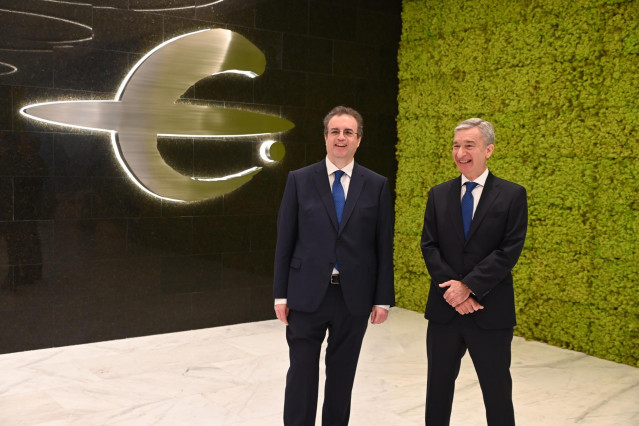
column 234, row 375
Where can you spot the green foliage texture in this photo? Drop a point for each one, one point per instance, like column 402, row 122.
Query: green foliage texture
column 560, row 82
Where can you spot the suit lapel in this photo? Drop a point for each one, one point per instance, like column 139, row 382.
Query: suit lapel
column 488, row 196
column 320, row 178
column 454, row 200
column 354, row 190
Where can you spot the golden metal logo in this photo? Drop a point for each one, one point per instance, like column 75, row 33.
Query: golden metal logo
column 145, row 107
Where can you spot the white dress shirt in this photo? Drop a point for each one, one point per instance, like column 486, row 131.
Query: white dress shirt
column 481, row 181
column 346, row 180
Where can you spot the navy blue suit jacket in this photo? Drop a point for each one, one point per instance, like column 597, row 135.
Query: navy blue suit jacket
column 309, row 241
column 485, row 259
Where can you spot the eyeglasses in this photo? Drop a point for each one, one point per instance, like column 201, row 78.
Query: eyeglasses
column 348, row 133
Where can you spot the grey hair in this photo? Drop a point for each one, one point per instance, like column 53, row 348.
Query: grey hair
column 486, row 129
column 343, row 110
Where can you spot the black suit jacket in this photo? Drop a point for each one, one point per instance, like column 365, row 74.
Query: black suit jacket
column 485, row 259
column 309, row 241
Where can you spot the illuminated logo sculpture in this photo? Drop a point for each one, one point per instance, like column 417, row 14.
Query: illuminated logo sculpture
column 145, row 107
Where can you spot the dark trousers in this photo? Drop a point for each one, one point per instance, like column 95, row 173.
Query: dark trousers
column 305, row 334
column 489, row 350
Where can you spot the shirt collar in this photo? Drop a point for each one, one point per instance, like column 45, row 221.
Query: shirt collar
column 481, row 180
column 331, row 168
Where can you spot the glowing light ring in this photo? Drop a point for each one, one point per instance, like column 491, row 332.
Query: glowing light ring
column 13, row 69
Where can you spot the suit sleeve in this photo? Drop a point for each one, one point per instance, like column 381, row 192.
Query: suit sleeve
column 498, row 264
column 439, row 270
column 286, row 237
column 385, row 291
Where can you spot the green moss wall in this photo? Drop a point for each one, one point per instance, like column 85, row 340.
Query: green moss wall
column 560, row 82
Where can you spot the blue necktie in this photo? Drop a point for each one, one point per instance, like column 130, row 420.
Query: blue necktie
column 338, row 195
column 338, row 198
column 467, row 206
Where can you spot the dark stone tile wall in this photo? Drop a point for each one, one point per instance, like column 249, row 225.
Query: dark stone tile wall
column 85, row 255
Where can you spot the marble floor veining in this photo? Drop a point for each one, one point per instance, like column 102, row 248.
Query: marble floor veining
column 234, row 375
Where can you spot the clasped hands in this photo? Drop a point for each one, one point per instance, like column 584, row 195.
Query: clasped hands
column 458, row 296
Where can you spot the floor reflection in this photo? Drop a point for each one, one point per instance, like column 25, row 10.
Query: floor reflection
column 234, row 375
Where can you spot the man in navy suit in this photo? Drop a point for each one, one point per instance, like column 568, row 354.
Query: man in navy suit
column 474, row 231
column 333, row 269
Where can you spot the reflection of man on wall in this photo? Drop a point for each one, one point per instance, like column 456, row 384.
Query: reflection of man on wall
column 474, row 231
column 333, row 269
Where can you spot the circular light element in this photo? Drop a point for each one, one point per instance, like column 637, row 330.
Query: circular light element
column 272, row 151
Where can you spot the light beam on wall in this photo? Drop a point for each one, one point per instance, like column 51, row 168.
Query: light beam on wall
column 8, row 68
column 171, row 8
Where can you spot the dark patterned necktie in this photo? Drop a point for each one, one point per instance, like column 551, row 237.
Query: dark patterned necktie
column 467, row 203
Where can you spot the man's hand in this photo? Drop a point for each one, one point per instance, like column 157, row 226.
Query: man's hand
column 378, row 315
column 457, row 292
column 282, row 311
column 468, row 306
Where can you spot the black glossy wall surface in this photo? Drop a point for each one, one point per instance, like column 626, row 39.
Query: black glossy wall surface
column 85, row 255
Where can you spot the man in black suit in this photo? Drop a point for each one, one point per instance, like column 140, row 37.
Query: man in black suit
column 474, row 231
column 333, row 269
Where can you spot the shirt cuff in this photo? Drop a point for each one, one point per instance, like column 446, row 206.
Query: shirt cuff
column 387, row 307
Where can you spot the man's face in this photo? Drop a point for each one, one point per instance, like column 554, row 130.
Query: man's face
column 342, row 139
column 470, row 152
